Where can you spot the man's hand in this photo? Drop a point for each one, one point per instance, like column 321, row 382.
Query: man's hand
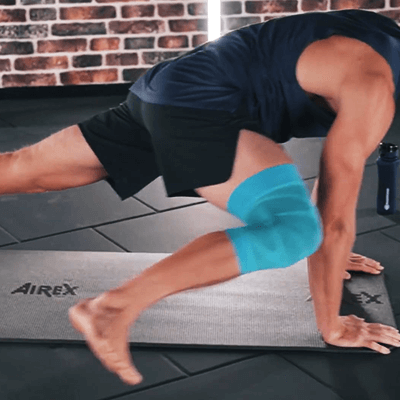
column 355, row 332
column 357, row 262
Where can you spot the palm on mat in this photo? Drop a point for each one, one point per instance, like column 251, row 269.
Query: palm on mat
column 358, row 262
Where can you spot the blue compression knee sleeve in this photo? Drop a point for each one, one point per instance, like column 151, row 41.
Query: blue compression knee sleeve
column 283, row 225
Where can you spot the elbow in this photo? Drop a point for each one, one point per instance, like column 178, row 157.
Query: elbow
column 335, row 233
column 346, row 226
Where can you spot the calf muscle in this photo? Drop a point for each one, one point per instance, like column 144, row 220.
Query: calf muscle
column 11, row 182
column 62, row 161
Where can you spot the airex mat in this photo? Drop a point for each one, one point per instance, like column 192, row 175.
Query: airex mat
column 269, row 309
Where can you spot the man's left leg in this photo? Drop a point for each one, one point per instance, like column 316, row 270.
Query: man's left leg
column 208, row 260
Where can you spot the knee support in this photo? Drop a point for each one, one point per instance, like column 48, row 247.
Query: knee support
column 283, row 225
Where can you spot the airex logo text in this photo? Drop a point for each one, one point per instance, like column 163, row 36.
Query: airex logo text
column 49, row 291
column 363, row 297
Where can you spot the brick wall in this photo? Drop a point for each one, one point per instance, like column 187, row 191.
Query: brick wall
column 83, row 42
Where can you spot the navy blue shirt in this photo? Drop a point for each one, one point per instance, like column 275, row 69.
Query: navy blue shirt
column 258, row 64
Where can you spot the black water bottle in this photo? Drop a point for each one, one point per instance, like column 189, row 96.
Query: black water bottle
column 388, row 162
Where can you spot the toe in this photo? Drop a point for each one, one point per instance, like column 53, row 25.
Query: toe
column 117, row 361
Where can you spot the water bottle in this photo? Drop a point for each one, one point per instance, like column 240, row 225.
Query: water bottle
column 388, row 162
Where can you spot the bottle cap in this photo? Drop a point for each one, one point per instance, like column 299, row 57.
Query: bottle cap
column 387, row 148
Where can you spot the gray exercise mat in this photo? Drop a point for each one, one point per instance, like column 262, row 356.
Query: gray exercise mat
column 268, row 309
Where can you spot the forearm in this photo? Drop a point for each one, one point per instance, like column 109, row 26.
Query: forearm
column 325, row 273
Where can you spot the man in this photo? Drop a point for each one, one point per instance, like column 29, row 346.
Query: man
column 211, row 122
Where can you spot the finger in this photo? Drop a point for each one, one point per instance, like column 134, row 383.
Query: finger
column 377, row 347
column 373, row 270
column 385, row 339
column 382, row 334
column 388, row 331
column 355, row 316
column 370, row 269
column 372, row 263
column 361, row 263
column 381, row 326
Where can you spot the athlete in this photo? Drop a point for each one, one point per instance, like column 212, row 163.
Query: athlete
column 211, row 123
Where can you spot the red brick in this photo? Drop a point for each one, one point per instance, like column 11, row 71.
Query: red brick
column 155, row 57
column 199, row 40
column 231, row 7
column 269, row 17
column 139, row 43
column 64, row 45
column 79, row 29
column 314, row 5
column 188, row 25
column 278, row 6
column 82, row 13
column 43, row 14
column 121, row 1
column 133, row 74
column 32, row 63
column 357, row 4
column 137, row 11
column 198, row 9
column 124, row 27
column 27, row 31
column 87, row 60
column 16, row 48
column 69, row 1
column 170, row 42
column 36, row 2
column 104, row 44
column 170, row 10
column 29, row 80
column 12, row 15
column 5, row 65
column 122, row 59
column 94, row 76
column 394, row 15
column 236, row 23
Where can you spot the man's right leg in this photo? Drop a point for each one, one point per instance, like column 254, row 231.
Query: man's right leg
column 63, row 160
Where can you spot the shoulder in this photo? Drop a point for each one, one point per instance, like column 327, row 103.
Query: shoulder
column 325, row 64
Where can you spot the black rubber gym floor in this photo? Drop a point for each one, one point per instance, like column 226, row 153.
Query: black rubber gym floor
column 150, row 222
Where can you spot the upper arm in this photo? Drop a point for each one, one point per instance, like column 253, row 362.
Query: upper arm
column 366, row 112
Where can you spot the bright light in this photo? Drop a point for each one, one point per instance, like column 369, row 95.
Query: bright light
column 214, row 19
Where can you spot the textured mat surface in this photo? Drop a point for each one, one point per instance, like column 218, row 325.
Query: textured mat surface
column 264, row 310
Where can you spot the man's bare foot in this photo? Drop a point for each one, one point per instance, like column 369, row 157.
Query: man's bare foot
column 106, row 330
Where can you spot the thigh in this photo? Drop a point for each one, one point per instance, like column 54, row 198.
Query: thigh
column 254, row 153
column 123, row 146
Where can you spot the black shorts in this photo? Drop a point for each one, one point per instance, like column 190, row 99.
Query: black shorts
column 137, row 142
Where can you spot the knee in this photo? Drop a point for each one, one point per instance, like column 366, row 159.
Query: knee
column 283, row 228
column 281, row 244
column 301, row 235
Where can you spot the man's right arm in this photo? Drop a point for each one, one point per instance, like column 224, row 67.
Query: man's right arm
column 365, row 114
